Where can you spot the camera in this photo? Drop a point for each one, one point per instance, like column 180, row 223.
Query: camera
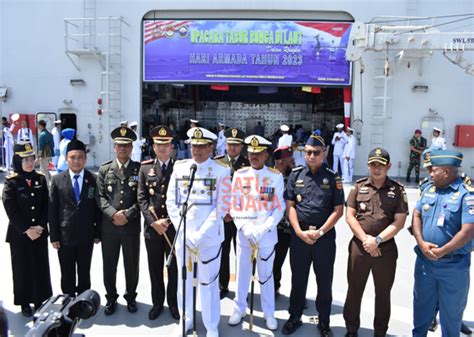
column 60, row 315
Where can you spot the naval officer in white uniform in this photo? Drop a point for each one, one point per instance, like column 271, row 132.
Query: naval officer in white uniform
column 204, row 226
column 438, row 142
column 339, row 140
column 257, row 208
column 220, row 147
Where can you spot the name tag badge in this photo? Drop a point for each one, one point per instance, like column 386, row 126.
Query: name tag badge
column 441, row 217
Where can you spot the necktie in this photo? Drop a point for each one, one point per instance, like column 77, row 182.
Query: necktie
column 77, row 191
column 122, row 169
column 163, row 168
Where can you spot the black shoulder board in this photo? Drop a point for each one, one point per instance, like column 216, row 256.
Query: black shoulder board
column 145, row 162
column 107, row 162
column 219, row 157
column 297, row 168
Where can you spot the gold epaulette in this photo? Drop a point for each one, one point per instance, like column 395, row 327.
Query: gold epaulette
column 146, row 162
column 11, row 176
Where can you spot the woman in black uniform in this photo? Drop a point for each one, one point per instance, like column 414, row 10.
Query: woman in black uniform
column 25, row 198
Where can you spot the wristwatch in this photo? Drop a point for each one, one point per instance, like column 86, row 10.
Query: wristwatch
column 378, row 240
column 321, row 232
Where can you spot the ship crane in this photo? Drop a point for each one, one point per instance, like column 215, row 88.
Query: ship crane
column 410, row 41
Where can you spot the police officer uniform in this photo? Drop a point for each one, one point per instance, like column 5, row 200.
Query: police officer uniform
column 444, row 278
column 232, row 136
column 204, row 230
column 25, row 199
column 315, row 197
column 117, row 187
column 376, row 209
column 283, row 227
column 257, row 208
column 152, row 188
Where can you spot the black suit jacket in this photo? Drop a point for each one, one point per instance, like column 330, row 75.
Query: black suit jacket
column 152, row 188
column 70, row 223
column 117, row 191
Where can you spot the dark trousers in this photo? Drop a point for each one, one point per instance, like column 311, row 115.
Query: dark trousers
column 111, row 244
column 230, row 231
column 156, row 250
column 281, row 250
column 414, row 164
column 359, row 266
column 322, row 255
column 75, row 260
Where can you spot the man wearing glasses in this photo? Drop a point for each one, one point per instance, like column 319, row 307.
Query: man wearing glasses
column 314, row 202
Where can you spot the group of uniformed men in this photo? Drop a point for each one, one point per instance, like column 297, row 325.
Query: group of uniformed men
column 232, row 198
column 264, row 211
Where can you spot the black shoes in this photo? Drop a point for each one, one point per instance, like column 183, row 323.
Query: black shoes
column 26, row 310
column 291, row 325
column 132, row 306
column 433, row 325
column 224, row 292
column 174, row 313
column 155, row 312
column 465, row 329
column 110, row 308
column 325, row 329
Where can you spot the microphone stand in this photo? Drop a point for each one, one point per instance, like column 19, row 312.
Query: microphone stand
column 184, row 211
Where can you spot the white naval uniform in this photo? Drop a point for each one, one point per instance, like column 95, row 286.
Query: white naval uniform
column 285, row 140
column 57, row 139
column 298, row 156
column 220, row 147
column 137, row 149
column 24, row 135
column 204, row 230
column 8, row 143
column 338, row 150
column 438, row 143
column 349, row 151
column 257, row 223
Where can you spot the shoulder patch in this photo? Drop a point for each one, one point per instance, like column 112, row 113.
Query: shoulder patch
column 146, row 162
column 361, row 179
column 221, row 163
column 297, row 168
column 274, row 170
column 11, row 176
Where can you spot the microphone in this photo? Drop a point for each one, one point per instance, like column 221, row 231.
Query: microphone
column 192, row 172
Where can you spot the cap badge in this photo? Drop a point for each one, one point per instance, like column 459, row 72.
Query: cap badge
column 378, row 152
column 123, row 132
column 254, row 142
column 197, row 134
column 162, row 132
column 234, row 133
column 27, row 147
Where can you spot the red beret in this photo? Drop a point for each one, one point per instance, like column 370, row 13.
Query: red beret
column 282, row 152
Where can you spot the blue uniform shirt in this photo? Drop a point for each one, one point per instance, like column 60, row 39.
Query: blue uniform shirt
column 315, row 195
column 443, row 212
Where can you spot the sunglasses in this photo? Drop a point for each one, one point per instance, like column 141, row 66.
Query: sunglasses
column 311, row 152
